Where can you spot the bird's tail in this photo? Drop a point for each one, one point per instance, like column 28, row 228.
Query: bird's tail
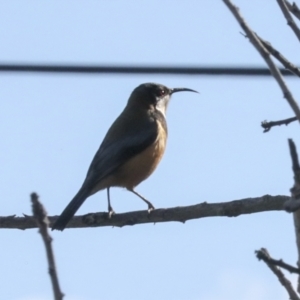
column 70, row 210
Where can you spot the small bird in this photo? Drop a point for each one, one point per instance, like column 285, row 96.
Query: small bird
column 131, row 149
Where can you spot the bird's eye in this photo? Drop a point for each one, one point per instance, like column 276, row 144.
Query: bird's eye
column 161, row 92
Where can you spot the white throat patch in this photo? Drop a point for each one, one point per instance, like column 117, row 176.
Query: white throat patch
column 162, row 106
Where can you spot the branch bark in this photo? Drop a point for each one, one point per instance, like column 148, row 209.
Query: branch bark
column 179, row 214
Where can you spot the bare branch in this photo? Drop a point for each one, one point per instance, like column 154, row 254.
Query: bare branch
column 293, row 8
column 295, row 191
column 180, row 214
column 268, row 125
column 42, row 221
column 292, row 205
column 263, row 254
column 289, row 18
column 266, row 56
column 294, row 156
column 285, row 62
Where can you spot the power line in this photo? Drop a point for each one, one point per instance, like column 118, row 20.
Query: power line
column 115, row 69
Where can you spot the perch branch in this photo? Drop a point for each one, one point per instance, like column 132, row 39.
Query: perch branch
column 180, row 214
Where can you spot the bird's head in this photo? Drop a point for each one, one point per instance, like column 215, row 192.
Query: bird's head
column 153, row 95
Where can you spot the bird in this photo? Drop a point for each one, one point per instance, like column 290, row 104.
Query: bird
column 131, row 149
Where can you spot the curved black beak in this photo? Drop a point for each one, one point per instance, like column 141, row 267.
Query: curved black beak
column 175, row 90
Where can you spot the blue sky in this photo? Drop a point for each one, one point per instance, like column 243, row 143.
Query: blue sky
column 51, row 125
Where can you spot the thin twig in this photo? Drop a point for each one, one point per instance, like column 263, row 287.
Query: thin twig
column 293, row 204
column 294, row 156
column 263, row 254
column 289, row 18
column 289, row 66
column 266, row 56
column 42, row 221
column 285, row 62
column 293, row 8
column 268, row 125
column 179, row 214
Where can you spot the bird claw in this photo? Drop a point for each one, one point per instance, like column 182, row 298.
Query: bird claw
column 110, row 212
column 150, row 208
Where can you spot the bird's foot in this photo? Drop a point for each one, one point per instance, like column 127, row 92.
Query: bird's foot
column 110, row 212
column 150, row 207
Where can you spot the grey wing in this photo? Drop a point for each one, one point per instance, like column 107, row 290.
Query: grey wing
column 114, row 152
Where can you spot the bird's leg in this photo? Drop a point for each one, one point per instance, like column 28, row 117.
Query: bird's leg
column 110, row 209
column 150, row 205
